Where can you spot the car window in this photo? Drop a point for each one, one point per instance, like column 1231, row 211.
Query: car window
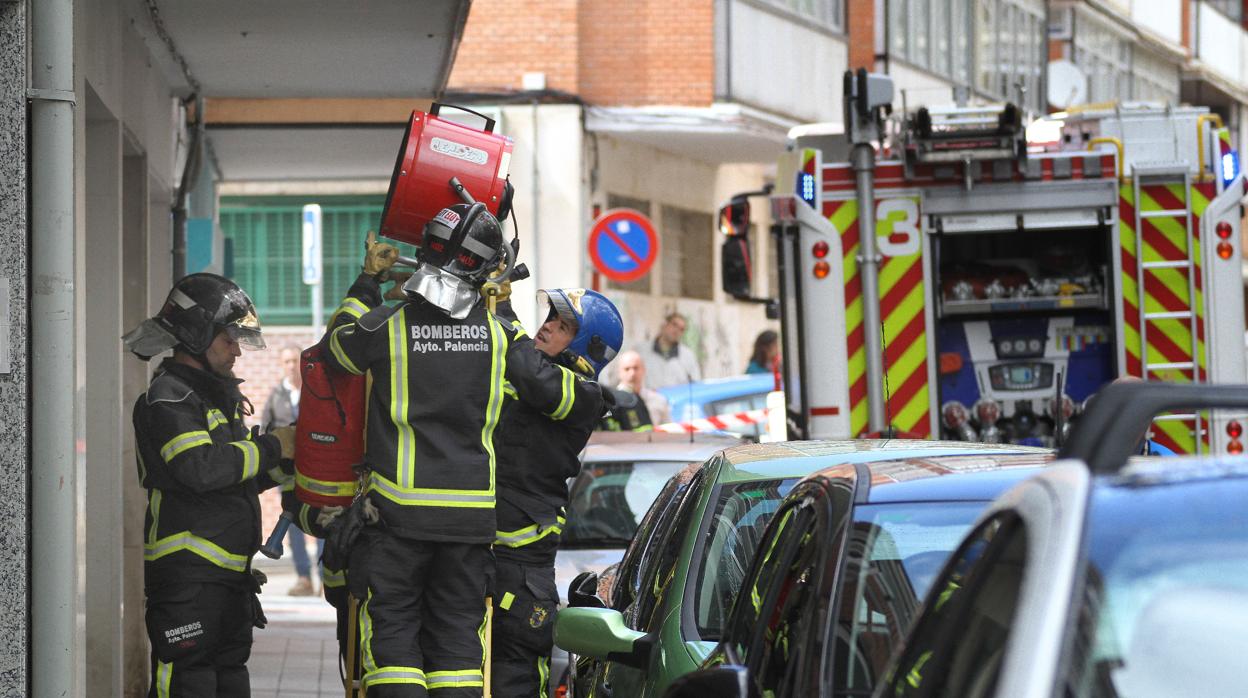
column 743, row 403
column 1166, row 585
column 741, row 513
column 608, row 499
column 660, row 557
column 787, row 613
column 628, row 573
column 894, row 553
column 959, row 643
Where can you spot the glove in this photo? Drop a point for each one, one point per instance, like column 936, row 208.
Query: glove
column 327, row 516
column 285, row 436
column 396, row 292
column 371, row 515
column 379, row 257
column 499, row 292
column 609, row 399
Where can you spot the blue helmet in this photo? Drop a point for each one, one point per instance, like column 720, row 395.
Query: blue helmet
column 599, row 327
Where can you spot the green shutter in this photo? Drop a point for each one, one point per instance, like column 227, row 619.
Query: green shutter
column 266, row 234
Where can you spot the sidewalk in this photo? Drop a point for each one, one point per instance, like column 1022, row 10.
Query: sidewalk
column 296, row 656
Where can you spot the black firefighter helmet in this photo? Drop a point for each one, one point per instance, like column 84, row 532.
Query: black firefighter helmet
column 201, row 305
column 464, row 240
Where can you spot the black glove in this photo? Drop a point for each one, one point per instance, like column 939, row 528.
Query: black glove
column 610, row 398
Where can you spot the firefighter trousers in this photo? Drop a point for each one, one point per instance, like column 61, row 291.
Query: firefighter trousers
column 525, row 602
column 201, row 640
column 422, row 625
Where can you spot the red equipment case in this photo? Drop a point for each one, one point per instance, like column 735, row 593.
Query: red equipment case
column 329, row 433
column 434, row 150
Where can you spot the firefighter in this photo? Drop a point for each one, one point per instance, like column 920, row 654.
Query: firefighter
column 439, row 362
column 536, row 456
column 203, row 469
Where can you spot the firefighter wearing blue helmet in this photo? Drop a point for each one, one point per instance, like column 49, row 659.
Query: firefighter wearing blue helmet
column 536, row 456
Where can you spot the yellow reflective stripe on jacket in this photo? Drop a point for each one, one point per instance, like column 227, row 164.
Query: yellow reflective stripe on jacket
column 251, row 458
column 153, row 503
column 510, row 391
column 335, row 348
column 422, row 497
column 528, row 534
column 349, row 306
column 164, row 679
column 332, row 579
column 366, row 635
column 519, row 328
column 394, row 674
column 405, row 436
column 216, row 419
column 304, row 510
column 194, row 544
column 494, row 405
column 455, row 679
column 569, row 395
column 329, row 488
column 184, row 442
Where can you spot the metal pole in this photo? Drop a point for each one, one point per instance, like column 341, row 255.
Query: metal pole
column 863, row 159
column 53, row 544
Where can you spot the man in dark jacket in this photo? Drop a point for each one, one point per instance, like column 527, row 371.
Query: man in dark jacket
column 202, row 468
column 536, row 456
column 439, row 362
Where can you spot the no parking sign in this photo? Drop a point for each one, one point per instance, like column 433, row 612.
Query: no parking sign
column 622, row 244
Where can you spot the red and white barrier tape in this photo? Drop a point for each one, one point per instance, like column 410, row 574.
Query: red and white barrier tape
column 719, row 422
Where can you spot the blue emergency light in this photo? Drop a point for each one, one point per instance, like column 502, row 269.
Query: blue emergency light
column 1230, row 167
column 806, row 188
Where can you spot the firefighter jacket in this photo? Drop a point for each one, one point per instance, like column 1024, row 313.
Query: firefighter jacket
column 436, row 398
column 536, row 456
column 203, row 469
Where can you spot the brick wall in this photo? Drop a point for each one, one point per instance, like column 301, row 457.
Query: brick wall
column 861, row 25
column 609, row 52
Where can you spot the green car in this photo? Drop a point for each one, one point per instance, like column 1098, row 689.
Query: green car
column 676, row 584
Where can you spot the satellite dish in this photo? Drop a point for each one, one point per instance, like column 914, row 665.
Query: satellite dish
column 1068, row 85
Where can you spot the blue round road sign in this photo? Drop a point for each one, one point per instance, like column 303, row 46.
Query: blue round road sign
column 622, row 244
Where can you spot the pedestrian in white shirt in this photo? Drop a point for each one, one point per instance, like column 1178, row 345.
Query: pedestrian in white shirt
column 668, row 362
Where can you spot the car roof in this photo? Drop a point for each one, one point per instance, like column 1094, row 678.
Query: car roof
column 801, row 458
column 1147, row 471
column 654, row 446
column 719, row 388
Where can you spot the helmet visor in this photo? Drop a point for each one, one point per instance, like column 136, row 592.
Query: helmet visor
column 247, row 337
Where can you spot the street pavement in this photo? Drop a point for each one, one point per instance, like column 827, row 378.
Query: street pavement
column 296, row 656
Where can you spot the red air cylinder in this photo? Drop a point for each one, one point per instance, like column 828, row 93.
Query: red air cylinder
column 329, row 434
column 434, row 150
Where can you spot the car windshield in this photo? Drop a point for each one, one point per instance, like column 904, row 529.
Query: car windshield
column 894, row 554
column 608, row 499
column 1165, row 606
column 740, row 515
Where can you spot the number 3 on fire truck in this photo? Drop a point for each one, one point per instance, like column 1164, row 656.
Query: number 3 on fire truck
column 897, row 227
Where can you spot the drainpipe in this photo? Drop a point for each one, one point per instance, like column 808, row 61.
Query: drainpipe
column 53, row 582
column 190, row 175
column 535, row 185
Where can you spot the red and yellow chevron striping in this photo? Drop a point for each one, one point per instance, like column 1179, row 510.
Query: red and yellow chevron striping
column 902, row 299
column 1171, row 340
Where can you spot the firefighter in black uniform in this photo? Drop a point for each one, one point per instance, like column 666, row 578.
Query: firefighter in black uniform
column 536, row 456
column 203, row 469
column 439, row 364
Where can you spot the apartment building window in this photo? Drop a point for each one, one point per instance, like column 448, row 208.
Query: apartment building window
column 827, row 13
column 1009, row 52
column 1155, row 79
column 641, row 285
column 1105, row 56
column 1233, row 9
column 686, row 253
column 933, row 35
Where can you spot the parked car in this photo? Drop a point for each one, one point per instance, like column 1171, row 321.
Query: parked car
column 842, row 568
column 621, row 475
column 718, row 396
column 672, row 594
column 1103, row 576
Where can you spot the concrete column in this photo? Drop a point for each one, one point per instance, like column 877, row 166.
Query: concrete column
column 104, row 414
column 14, row 391
column 134, row 308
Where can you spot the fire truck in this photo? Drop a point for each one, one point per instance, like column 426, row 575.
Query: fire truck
column 970, row 284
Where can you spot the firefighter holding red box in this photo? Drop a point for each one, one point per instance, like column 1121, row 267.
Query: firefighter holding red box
column 439, row 361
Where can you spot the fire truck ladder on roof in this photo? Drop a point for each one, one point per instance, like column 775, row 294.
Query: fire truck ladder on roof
column 1166, row 175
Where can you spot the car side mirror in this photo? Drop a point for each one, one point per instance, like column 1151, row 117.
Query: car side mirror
column 600, row 633
column 722, row 681
column 583, row 591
